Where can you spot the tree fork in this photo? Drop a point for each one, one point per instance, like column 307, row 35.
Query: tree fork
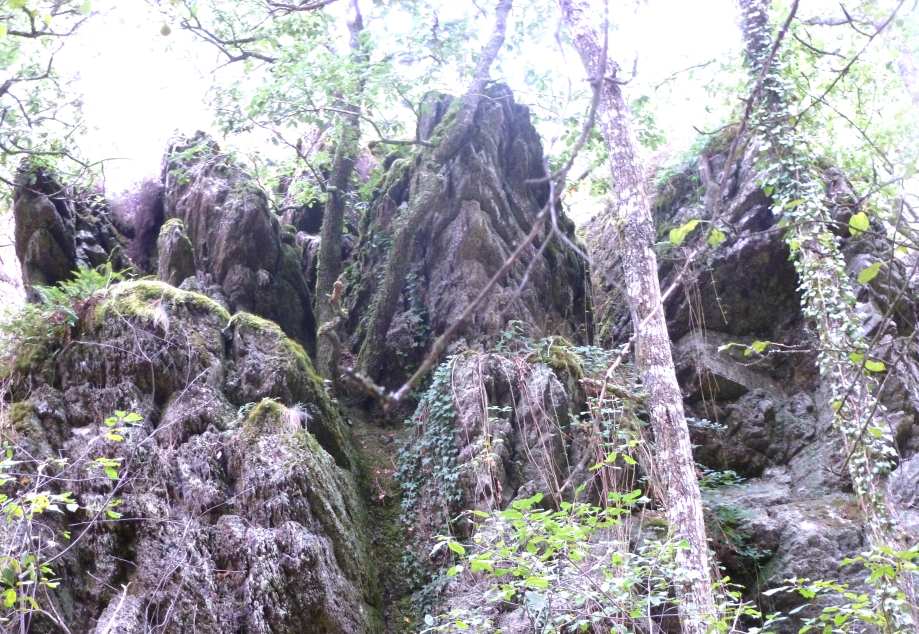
column 639, row 263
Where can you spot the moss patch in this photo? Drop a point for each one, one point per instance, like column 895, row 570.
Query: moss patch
column 142, row 299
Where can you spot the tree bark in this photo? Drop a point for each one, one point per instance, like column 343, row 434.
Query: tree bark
column 426, row 187
column 680, row 492
column 333, row 220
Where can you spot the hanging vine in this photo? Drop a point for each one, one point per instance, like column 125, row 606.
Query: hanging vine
column 791, row 174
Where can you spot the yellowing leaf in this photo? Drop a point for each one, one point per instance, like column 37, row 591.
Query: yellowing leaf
column 869, row 273
column 679, row 234
column 3, row 30
column 47, row 19
column 794, row 245
column 716, row 238
column 759, row 346
column 858, row 223
column 795, row 203
column 874, row 366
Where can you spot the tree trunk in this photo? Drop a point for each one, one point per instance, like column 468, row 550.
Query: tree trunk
column 655, row 362
column 426, row 188
column 333, row 220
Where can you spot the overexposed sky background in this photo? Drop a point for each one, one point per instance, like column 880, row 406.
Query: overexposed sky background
column 140, row 86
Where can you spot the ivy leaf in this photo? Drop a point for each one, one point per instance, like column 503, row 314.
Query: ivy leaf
column 759, row 346
column 874, row 366
column 716, row 238
column 869, row 273
column 858, row 223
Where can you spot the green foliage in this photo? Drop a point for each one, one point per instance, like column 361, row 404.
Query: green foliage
column 849, row 612
column 30, row 332
column 570, row 569
column 40, row 115
column 37, row 507
column 428, row 475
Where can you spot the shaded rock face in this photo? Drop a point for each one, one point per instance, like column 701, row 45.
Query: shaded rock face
column 236, row 238
column 485, row 209
column 514, row 429
column 240, row 511
column 176, row 255
column 57, row 231
column 766, row 417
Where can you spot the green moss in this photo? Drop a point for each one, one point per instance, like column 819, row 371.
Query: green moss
column 657, row 523
column 19, row 414
column 268, row 417
column 140, row 299
column 172, row 222
column 446, row 123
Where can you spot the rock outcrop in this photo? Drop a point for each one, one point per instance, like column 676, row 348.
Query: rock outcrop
column 58, row 230
column 489, row 199
column 765, row 417
column 237, row 239
column 238, row 506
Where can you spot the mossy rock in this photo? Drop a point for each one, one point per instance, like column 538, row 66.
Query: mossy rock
column 143, row 299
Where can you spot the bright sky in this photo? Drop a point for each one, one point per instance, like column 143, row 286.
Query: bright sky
column 140, row 86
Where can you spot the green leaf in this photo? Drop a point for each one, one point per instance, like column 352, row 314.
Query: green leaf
column 795, row 203
column 457, row 548
column 110, row 472
column 759, row 346
column 854, row 357
column 793, row 245
column 460, row 625
column 874, row 366
column 3, row 30
column 17, row 4
column 47, row 19
column 114, row 437
column 86, row 7
column 536, row 582
column 859, row 223
column 869, row 273
column 679, row 234
column 716, row 238
column 9, row 598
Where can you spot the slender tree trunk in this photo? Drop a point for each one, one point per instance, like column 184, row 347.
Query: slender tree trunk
column 655, row 362
column 426, row 188
column 333, row 219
